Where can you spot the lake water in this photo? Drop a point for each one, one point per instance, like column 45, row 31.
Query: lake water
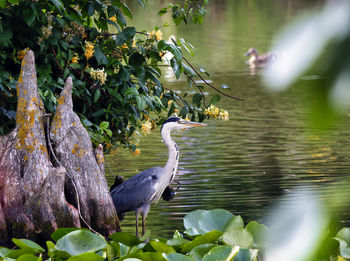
column 266, row 149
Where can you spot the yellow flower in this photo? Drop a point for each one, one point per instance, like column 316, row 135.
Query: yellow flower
column 136, row 152
column 124, row 46
column 170, row 102
column 187, row 119
column 113, row 18
column 213, row 111
column 157, row 34
column 146, row 127
column 133, row 44
column 99, row 74
column 22, row 53
column 89, row 51
column 75, row 59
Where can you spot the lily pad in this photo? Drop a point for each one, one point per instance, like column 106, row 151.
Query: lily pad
column 191, row 223
column 343, row 237
column 214, row 219
column 200, row 251
column 222, row 253
column 246, row 255
column 238, row 237
column 86, row 257
column 258, row 232
column 162, row 247
column 25, row 243
column 209, row 237
column 125, row 238
column 177, row 257
column 79, row 242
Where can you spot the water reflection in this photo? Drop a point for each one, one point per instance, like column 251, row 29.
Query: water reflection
column 264, row 151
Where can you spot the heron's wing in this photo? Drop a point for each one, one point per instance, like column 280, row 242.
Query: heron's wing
column 136, row 191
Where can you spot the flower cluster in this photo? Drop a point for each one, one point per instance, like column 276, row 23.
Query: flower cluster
column 89, row 50
column 146, row 127
column 213, row 111
column 75, row 59
column 73, row 29
column 99, row 74
column 22, row 53
column 136, row 152
column 46, row 30
column 158, row 35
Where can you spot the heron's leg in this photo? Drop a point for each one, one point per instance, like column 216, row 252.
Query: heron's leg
column 144, row 215
column 137, row 214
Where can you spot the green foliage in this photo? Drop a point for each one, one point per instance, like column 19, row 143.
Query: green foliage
column 116, row 76
column 233, row 242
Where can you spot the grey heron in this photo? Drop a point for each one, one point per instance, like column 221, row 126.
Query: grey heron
column 140, row 191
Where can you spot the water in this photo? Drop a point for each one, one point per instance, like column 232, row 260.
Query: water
column 266, row 149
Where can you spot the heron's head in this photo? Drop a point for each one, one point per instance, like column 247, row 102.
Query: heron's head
column 251, row 51
column 176, row 123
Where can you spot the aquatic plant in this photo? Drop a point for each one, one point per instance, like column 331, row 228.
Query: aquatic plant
column 209, row 235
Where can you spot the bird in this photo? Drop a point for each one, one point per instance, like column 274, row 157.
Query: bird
column 257, row 60
column 141, row 190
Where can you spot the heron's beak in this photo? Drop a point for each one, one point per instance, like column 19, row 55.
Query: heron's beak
column 247, row 53
column 188, row 124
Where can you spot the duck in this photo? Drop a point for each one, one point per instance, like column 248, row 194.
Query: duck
column 257, row 60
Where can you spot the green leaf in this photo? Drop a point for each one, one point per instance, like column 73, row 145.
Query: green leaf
column 136, row 59
column 131, row 91
column 2, row 5
column 209, row 237
column 188, row 70
column 79, row 242
column 258, row 232
column 196, row 99
column 97, row 95
column 214, row 219
column 162, row 247
column 25, row 243
column 126, row 10
column 28, row 257
column 19, row 252
column 238, row 237
column 176, row 67
column 162, row 45
column 162, row 11
column 60, row 232
column 100, row 56
column 343, row 237
column 59, row 5
column 86, row 257
column 4, row 251
column 177, row 257
column 176, row 51
column 236, row 222
column 200, row 251
column 104, row 125
column 215, row 98
column 28, row 16
column 222, row 253
column 125, row 238
column 191, row 223
column 246, row 255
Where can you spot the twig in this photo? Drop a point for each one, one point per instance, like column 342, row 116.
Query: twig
column 69, row 176
column 232, row 97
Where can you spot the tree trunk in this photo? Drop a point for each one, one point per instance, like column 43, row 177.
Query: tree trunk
column 38, row 195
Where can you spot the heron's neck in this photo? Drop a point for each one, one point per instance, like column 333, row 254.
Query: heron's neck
column 173, row 156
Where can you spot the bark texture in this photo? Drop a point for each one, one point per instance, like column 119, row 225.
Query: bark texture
column 38, row 195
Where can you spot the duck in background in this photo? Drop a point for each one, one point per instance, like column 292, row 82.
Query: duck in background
column 257, row 60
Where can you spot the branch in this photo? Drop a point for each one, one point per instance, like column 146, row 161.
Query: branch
column 216, row 89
